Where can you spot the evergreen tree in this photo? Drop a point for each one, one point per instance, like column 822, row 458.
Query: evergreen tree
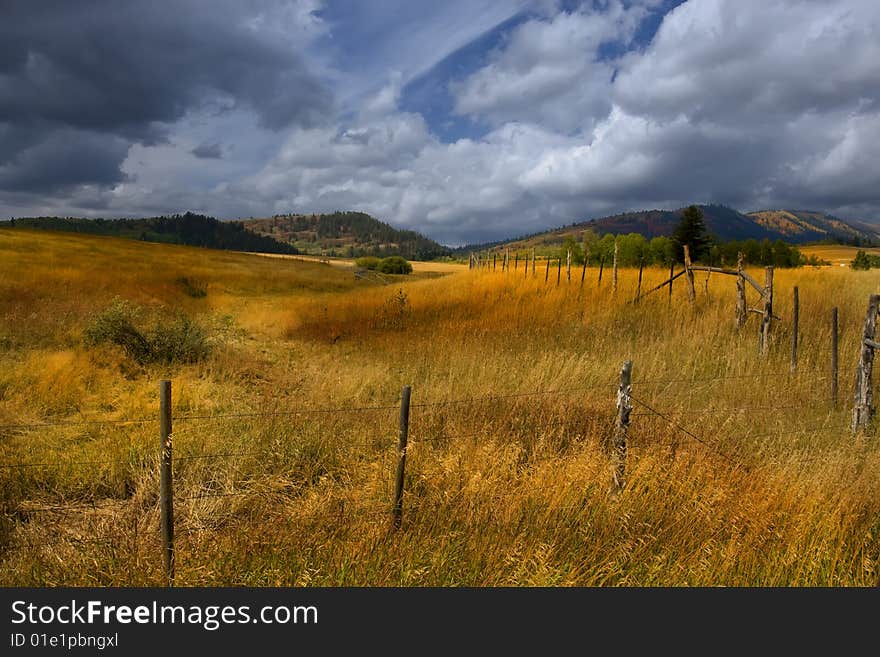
column 691, row 231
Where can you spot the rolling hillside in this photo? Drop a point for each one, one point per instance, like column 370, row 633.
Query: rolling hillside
column 791, row 226
column 189, row 229
column 348, row 234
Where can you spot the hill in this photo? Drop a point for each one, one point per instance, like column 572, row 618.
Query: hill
column 348, row 234
column 806, row 226
column 188, row 229
column 791, row 226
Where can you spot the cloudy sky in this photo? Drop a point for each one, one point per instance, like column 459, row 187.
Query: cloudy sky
column 467, row 120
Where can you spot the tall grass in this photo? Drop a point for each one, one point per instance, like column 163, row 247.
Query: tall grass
column 501, row 490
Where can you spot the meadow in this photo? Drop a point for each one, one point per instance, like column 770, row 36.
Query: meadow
column 751, row 477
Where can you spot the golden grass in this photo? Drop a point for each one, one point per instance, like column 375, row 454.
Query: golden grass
column 500, row 491
column 838, row 255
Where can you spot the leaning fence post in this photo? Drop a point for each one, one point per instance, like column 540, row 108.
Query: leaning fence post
column 834, row 354
column 601, row 267
column 671, row 278
column 689, row 274
column 614, row 270
column 547, row 273
column 621, row 427
column 863, row 411
column 639, row 287
column 516, row 261
column 166, row 481
column 494, row 260
column 558, row 270
column 583, row 272
column 794, row 330
column 402, row 436
column 767, row 316
column 740, row 292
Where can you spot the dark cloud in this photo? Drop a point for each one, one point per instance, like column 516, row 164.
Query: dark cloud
column 101, row 71
column 208, row 151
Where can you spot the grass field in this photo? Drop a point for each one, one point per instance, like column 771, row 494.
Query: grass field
column 508, row 471
column 837, row 255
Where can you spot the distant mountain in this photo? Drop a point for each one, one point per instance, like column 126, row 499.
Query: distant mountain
column 188, row 228
column 806, row 226
column 351, row 234
column 791, row 226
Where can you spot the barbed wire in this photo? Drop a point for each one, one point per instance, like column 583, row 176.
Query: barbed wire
column 692, row 435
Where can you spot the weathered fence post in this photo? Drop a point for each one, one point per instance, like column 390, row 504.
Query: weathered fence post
column 403, row 435
column 166, row 481
column 558, row 270
column 834, row 353
column 471, row 261
column 533, row 261
column 689, row 275
column 621, row 427
column 516, row 261
column 601, row 267
column 568, row 265
column 671, row 278
column 506, row 261
column 614, row 270
column 494, row 259
column 863, row 410
column 526, row 266
column 547, row 273
column 639, row 286
column 583, row 272
column 795, row 316
column 741, row 312
column 767, row 315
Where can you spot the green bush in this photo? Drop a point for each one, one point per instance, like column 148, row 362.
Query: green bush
column 179, row 340
column 395, row 265
column 115, row 325
column 368, row 262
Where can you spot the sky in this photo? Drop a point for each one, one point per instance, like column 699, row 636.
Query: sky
column 467, row 120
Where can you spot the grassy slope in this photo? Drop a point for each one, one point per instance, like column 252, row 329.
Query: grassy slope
column 505, row 491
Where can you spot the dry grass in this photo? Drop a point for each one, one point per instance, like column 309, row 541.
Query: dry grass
column 838, row 255
column 500, row 491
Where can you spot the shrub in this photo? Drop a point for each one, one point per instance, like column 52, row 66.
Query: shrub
column 192, row 287
column 368, row 262
column 395, row 265
column 115, row 325
column 180, row 340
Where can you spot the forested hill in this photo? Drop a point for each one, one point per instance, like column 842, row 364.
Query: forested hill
column 349, row 234
column 188, row 228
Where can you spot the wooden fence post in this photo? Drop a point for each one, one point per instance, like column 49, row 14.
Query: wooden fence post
column 583, row 272
column 671, row 278
column 506, row 262
column 494, row 261
column 863, row 410
column 558, row 270
column 767, row 315
column 741, row 312
column 795, row 316
column 402, row 437
column 834, row 353
column 601, row 267
column 526, row 266
column 639, row 287
column 689, row 275
column 621, row 427
column 166, row 481
column 614, row 270
column 547, row 273
column 533, row 262
column 568, row 265
column 516, row 261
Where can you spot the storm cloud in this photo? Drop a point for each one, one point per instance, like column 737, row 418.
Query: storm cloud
column 90, row 76
column 546, row 116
